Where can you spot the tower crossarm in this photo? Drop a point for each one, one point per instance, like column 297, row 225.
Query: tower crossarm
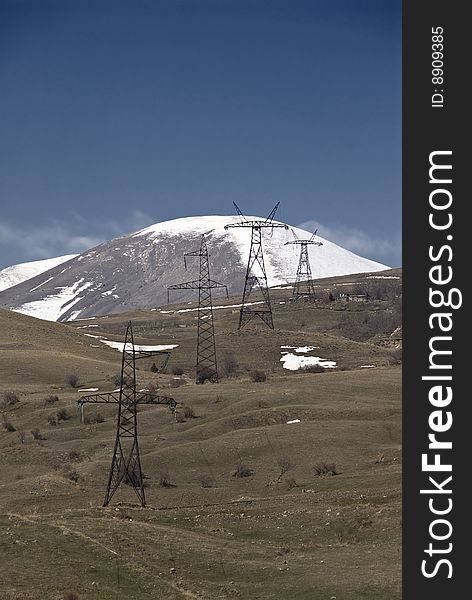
column 149, row 398
column 302, row 242
column 100, row 398
column 196, row 285
column 257, row 224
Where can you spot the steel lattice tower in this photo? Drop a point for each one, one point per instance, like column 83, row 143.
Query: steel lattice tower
column 206, row 366
column 126, row 462
column 256, row 276
column 303, row 288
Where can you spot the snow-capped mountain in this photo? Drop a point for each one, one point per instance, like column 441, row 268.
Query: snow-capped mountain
column 134, row 271
column 16, row 274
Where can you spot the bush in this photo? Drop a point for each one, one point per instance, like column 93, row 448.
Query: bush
column 51, row 399
column 154, row 368
column 189, row 413
column 242, row 470
column 396, row 357
column 21, row 436
column 164, row 480
column 291, row 483
column 74, row 455
column 62, row 415
column 52, row 420
column 10, row 398
column 71, row 596
column 206, row 481
column 116, row 379
column 258, row 376
column 73, row 475
column 37, row 435
column 229, row 365
column 7, row 424
column 72, row 379
column 311, row 369
column 324, row 469
column 176, row 382
column 179, row 417
column 205, row 374
column 177, row 371
column 96, row 417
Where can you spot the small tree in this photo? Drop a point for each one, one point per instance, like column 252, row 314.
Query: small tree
column 72, row 379
column 285, row 465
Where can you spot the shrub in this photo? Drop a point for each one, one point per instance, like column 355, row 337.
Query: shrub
column 258, row 376
column 291, row 483
column 323, row 469
column 37, row 435
column 10, row 398
column 206, row 481
column 52, row 420
column 71, row 596
column 189, row 413
column 7, row 424
column 74, row 455
column 164, row 480
column 177, row 371
column 229, row 365
column 396, row 357
column 96, row 417
column 179, row 417
column 116, row 379
column 51, row 399
column 73, row 475
column 311, row 369
column 72, row 379
column 242, row 470
column 204, row 375
column 21, row 436
column 154, row 368
column 176, row 382
column 152, row 389
column 62, row 415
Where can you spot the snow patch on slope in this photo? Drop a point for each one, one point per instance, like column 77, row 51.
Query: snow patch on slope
column 52, row 307
column 16, row 274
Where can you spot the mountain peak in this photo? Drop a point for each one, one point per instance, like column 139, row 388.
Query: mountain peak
column 134, row 271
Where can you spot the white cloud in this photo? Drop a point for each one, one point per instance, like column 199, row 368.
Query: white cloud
column 359, row 242
column 74, row 234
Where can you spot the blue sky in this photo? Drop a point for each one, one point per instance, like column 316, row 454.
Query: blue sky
column 115, row 114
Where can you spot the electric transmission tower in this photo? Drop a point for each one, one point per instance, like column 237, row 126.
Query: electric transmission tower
column 206, row 368
column 126, row 462
column 256, row 277
column 303, row 288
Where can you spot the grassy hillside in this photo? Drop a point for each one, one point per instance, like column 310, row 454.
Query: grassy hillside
column 280, row 532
